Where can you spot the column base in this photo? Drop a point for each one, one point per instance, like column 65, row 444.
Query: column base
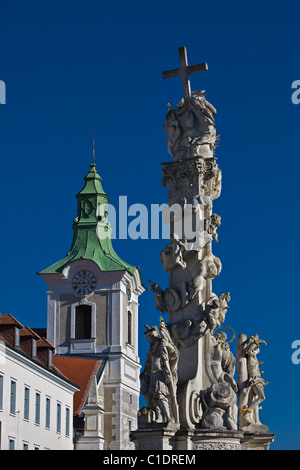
column 200, row 439
column 154, row 439
column 203, row 439
column 257, row 441
column 90, row 443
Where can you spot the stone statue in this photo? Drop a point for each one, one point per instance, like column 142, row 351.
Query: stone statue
column 171, row 299
column 219, row 400
column 220, row 410
column 158, row 296
column 172, row 255
column 211, row 266
column 215, row 310
column 223, row 361
column 223, row 306
column 191, row 128
column 212, row 224
column 159, row 377
column 195, row 285
column 250, row 383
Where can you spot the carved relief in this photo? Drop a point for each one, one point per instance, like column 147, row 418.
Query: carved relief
column 216, row 446
column 191, row 181
column 186, row 332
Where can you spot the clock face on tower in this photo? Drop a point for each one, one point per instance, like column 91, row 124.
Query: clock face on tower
column 84, row 283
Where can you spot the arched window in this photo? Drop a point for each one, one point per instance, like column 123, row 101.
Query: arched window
column 83, row 321
column 129, row 327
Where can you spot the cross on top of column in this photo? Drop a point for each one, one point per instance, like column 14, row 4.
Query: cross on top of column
column 184, row 71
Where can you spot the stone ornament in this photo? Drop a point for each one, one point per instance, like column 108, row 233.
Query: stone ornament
column 192, row 181
column 216, row 446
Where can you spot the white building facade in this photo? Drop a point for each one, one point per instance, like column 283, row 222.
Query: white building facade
column 36, row 404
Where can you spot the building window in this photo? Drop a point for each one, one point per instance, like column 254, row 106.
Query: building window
column 67, row 421
column 37, row 408
column 13, row 390
column 1, row 391
column 83, row 321
column 26, row 403
column 129, row 327
column 11, row 444
column 58, row 417
column 48, row 412
column 130, row 398
column 25, row 446
column 50, row 358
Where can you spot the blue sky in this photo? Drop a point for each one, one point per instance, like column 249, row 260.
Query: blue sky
column 77, row 69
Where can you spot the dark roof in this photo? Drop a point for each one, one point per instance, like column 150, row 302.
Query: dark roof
column 10, row 322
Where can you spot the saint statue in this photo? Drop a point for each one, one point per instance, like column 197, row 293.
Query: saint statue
column 159, row 377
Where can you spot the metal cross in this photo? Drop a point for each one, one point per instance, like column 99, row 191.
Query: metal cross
column 184, row 72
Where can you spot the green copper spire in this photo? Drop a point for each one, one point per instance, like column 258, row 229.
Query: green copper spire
column 92, row 231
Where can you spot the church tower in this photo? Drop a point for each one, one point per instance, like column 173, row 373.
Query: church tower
column 93, row 311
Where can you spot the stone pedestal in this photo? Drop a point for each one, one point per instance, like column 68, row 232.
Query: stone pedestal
column 93, row 438
column 90, row 443
column 154, row 439
column 205, row 439
column 200, row 439
column 257, row 441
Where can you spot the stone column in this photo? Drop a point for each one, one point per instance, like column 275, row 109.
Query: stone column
column 194, row 311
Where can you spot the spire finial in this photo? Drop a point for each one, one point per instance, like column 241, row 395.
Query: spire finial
column 93, row 149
